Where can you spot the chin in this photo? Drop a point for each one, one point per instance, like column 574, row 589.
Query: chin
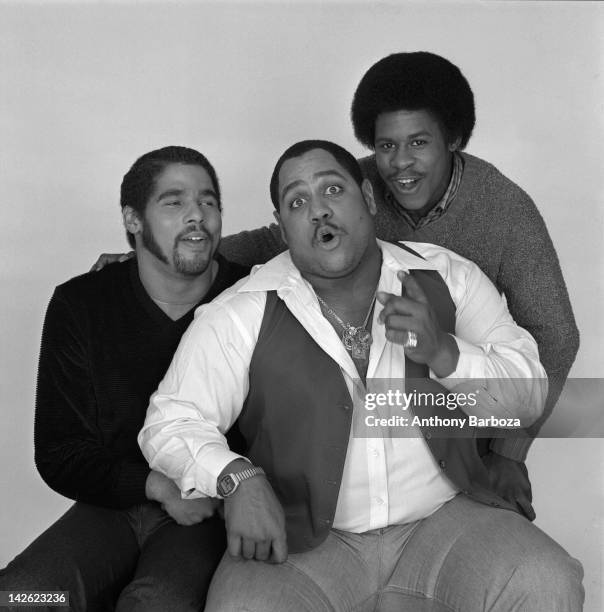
column 191, row 267
column 341, row 266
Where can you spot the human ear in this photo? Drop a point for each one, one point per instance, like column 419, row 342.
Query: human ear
column 453, row 146
column 367, row 190
column 132, row 221
column 280, row 224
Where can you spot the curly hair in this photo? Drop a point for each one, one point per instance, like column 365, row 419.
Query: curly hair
column 414, row 81
column 139, row 181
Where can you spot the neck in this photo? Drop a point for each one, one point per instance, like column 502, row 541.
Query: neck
column 173, row 292
column 355, row 289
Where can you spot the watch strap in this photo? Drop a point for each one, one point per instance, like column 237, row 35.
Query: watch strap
column 247, row 473
column 236, row 478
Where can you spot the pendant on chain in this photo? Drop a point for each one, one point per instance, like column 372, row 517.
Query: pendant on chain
column 357, row 340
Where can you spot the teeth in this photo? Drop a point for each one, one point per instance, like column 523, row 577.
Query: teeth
column 406, row 181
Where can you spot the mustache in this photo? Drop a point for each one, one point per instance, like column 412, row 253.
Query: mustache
column 327, row 225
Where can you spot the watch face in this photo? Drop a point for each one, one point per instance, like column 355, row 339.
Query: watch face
column 226, row 485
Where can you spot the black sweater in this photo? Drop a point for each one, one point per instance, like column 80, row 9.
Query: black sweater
column 105, row 347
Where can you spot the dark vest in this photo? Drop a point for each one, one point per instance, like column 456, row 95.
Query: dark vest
column 297, row 417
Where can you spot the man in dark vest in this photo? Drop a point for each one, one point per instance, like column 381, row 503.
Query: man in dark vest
column 351, row 519
column 129, row 541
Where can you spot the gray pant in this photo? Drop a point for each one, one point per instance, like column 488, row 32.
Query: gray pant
column 466, row 557
column 135, row 559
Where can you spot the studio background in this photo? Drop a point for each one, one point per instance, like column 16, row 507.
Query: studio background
column 88, row 87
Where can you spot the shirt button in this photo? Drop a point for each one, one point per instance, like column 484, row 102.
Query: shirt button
column 379, row 501
column 375, row 452
column 442, row 463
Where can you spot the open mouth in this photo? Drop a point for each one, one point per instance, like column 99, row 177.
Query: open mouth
column 407, row 183
column 325, row 235
column 195, row 240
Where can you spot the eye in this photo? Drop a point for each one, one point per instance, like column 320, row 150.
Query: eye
column 297, row 202
column 210, row 202
column 387, row 146
column 333, row 190
column 418, row 142
column 172, row 203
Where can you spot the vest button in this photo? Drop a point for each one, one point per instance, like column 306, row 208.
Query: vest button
column 346, row 407
column 326, row 521
column 442, row 463
column 428, row 435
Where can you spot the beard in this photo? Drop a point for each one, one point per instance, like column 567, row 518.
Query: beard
column 189, row 266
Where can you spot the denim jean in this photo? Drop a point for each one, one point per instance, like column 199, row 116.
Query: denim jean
column 135, row 559
column 466, row 557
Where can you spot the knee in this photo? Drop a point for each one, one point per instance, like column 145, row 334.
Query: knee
column 549, row 581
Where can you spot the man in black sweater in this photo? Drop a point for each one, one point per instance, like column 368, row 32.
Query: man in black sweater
column 130, row 541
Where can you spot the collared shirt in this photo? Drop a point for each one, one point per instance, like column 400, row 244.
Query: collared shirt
column 440, row 208
column 386, row 480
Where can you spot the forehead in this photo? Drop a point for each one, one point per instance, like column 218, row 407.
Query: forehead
column 407, row 122
column 184, row 177
column 306, row 167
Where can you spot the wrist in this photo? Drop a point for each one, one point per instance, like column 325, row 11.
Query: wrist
column 237, row 465
column 229, row 481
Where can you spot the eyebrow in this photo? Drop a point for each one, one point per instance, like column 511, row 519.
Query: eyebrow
column 410, row 136
column 319, row 174
column 178, row 192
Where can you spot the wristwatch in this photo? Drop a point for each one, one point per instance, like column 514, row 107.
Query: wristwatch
column 227, row 485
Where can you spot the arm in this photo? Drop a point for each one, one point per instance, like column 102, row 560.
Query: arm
column 493, row 349
column 489, row 352
column 202, row 395
column 197, row 402
column 254, row 519
column 69, row 450
column 250, row 248
column 532, row 280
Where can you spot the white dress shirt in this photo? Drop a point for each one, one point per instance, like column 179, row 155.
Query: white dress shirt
column 386, row 480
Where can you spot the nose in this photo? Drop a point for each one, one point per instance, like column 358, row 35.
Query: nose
column 319, row 210
column 194, row 213
column 402, row 158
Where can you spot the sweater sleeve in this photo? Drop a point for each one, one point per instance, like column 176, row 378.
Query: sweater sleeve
column 531, row 278
column 69, row 450
column 250, row 248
